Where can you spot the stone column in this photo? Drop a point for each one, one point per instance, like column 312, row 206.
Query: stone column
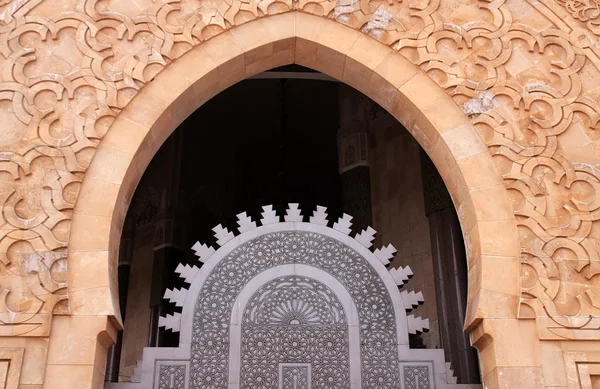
column 450, row 272
column 353, row 156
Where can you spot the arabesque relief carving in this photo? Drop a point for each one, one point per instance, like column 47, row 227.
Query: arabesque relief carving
column 524, row 71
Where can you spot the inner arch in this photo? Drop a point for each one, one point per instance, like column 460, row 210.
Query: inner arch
column 349, row 321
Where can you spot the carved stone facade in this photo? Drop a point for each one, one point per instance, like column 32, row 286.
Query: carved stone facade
column 90, row 89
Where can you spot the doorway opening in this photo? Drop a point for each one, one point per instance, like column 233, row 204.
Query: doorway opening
column 290, row 135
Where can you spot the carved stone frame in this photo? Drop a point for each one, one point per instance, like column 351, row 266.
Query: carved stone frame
column 381, row 73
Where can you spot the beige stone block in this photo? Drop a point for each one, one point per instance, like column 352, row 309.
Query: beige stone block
column 514, row 377
column 222, row 48
column 197, row 63
column 145, row 108
column 262, row 32
column 100, row 358
column 323, row 59
column 459, row 191
column 125, row 135
column 99, row 198
column 464, row 141
column 78, row 348
column 306, row 51
column 370, row 53
column 322, row 44
column 491, row 305
column 479, row 171
column 109, row 165
column 68, row 376
column 170, row 85
column 491, row 203
column 442, row 158
column 465, row 210
column 75, row 339
column 553, row 364
column 472, row 244
column 93, row 232
column 357, row 76
column 88, row 270
column 270, row 56
column 92, row 301
column 207, row 87
column 497, row 274
column 326, row 33
column 396, row 69
column 437, row 108
column 98, row 380
column 231, row 72
column 383, row 91
column 499, row 238
column 127, row 190
column 306, row 25
column 34, row 359
column 362, row 59
column 515, row 342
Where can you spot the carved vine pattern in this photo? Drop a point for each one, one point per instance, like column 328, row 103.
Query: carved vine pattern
column 70, row 66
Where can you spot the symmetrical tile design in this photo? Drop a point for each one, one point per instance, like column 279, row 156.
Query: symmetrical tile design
column 290, row 305
column 290, row 302
column 416, row 377
column 171, row 376
column 295, row 376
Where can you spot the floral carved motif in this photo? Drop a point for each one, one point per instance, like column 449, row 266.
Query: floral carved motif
column 69, row 67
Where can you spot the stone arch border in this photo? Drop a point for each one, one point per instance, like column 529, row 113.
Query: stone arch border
column 408, row 94
column 376, row 70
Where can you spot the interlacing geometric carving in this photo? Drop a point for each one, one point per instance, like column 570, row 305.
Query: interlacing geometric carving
column 416, row 377
column 171, row 377
column 525, row 72
column 295, row 377
column 292, row 304
column 293, row 319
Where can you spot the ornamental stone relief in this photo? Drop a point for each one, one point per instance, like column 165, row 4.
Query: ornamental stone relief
column 310, row 308
column 270, row 319
column 295, row 377
column 171, row 376
column 526, row 72
column 416, row 377
column 294, row 319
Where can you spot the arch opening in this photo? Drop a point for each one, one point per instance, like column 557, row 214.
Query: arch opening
column 456, row 154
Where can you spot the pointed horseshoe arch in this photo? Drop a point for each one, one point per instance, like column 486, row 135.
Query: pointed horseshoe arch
column 374, row 69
